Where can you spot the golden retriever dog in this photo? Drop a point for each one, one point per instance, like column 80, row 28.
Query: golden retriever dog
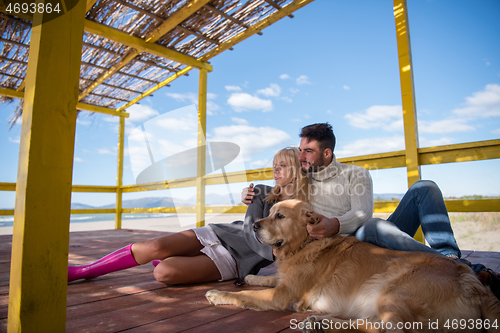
column 366, row 287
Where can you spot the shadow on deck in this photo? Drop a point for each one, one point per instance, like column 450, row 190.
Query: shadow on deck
column 133, row 301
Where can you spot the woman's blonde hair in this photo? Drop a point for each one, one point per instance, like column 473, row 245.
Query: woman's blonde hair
column 290, row 156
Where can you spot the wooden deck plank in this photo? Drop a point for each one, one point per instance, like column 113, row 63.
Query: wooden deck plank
column 133, row 301
column 194, row 319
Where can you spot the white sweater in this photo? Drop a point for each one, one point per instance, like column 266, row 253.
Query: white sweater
column 345, row 192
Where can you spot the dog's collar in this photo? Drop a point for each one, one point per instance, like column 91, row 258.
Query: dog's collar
column 304, row 245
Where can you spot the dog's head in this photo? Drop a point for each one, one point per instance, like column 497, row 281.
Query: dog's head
column 285, row 227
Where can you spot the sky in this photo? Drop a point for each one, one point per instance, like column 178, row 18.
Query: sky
column 335, row 61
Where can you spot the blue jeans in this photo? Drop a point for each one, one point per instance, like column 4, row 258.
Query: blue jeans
column 422, row 205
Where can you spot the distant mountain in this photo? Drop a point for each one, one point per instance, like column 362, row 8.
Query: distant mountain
column 81, row 206
column 150, row 202
column 388, row 196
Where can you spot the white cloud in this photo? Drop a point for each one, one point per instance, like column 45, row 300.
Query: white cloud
column 287, row 99
column 385, row 144
column 273, row 90
column 371, row 146
column 294, row 91
column 193, row 99
column 385, row 117
column 423, row 142
column 482, row 104
column 106, row 151
column 390, row 119
column 284, row 76
column 346, row 87
column 15, row 140
column 78, row 159
column 189, row 96
column 245, row 102
column 259, row 164
column 82, row 122
column 239, row 121
column 111, row 119
column 140, row 113
column 252, row 140
column 211, row 107
column 232, row 88
column 329, row 111
column 303, row 79
column 187, row 123
column 444, row 126
column 496, row 131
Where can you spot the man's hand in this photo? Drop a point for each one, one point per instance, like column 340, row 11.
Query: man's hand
column 247, row 194
column 326, row 227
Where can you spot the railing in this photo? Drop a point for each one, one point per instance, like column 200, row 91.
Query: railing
column 472, row 151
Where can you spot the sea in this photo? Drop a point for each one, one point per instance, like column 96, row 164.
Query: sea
column 8, row 221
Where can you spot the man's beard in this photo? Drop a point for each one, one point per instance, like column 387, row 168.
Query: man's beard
column 315, row 166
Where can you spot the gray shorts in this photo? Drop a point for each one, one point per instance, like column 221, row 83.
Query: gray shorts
column 218, row 253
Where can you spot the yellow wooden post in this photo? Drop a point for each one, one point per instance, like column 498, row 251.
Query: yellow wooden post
column 202, row 129
column 119, row 174
column 39, row 273
column 407, row 95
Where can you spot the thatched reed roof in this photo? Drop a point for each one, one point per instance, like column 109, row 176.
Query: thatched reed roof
column 117, row 68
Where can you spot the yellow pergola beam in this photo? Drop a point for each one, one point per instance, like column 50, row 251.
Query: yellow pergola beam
column 257, row 27
column 407, row 91
column 119, row 173
column 170, row 23
column 155, row 88
column 80, row 106
column 407, row 96
column 466, row 206
column 40, row 240
column 100, row 109
column 11, row 93
column 108, row 74
column 175, row 19
column 395, row 159
column 186, row 12
column 201, row 160
column 142, row 46
column 90, row 4
column 462, row 152
column 94, row 189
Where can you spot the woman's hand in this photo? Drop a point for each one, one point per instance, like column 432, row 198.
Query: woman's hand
column 247, row 194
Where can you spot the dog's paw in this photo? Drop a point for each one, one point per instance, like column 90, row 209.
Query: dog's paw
column 312, row 324
column 217, row 297
column 259, row 280
column 251, row 279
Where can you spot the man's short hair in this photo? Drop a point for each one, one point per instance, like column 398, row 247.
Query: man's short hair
column 322, row 132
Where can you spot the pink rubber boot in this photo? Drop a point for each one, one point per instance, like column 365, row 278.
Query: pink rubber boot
column 116, row 261
column 155, row 262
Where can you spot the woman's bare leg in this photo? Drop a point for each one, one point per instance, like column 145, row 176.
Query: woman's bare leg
column 184, row 244
column 185, row 270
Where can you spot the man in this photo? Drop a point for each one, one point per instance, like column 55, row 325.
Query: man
column 342, row 198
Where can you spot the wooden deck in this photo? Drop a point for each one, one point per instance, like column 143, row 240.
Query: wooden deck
column 133, row 301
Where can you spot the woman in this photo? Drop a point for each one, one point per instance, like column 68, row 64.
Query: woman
column 215, row 252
